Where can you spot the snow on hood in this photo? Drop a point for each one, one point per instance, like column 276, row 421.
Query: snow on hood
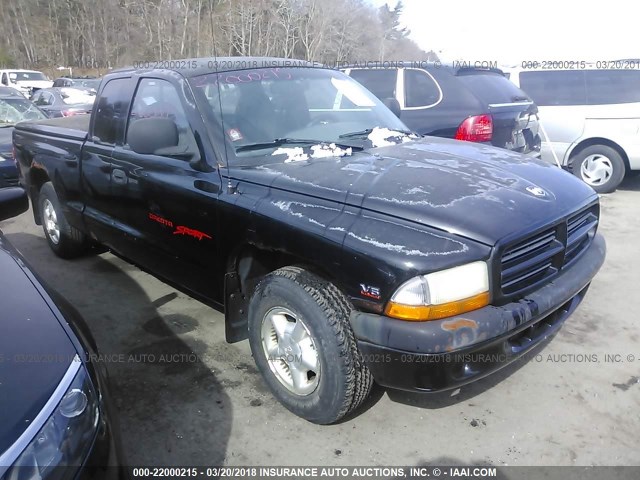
column 379, row 137
column 322, row 150
column 73, row 96
column 331, row 150
column 295, row 154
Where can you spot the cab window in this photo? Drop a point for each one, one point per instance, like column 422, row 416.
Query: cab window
column 159, row 98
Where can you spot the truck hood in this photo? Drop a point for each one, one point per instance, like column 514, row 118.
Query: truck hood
column 35, row 351
column 468, row 189
column 26, row 84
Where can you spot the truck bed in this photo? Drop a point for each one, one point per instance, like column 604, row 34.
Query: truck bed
column 74, row 128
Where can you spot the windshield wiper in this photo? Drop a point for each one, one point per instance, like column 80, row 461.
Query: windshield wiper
column 520, row 98
column 278, row 142
column 368, row 131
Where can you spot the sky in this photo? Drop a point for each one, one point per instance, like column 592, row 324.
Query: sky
column 511, row 32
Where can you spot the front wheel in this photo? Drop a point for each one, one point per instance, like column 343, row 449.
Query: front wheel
column 600, row 167
column 65, row 240
column 304, row 347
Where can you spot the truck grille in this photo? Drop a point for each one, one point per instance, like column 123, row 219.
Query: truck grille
column 534, row 259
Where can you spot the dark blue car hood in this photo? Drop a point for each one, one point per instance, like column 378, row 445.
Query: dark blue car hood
column 35, row 350
column 5, row 140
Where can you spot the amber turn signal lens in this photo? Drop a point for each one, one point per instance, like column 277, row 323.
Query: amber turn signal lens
column 422, row 313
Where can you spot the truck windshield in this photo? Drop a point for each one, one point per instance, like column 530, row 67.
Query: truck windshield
column 26, row 76
column 263, row 106
column 14, row 110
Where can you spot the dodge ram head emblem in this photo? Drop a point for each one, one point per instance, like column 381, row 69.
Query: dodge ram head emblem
column 537, row 191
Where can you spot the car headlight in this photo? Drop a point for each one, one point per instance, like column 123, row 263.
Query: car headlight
column 65, row 437
column 442, row 294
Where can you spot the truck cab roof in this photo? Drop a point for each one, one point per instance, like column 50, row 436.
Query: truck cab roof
column 192, row 67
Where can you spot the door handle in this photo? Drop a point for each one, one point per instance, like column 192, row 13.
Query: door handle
column 70, row 160
column 205, row 186
column 119, row 176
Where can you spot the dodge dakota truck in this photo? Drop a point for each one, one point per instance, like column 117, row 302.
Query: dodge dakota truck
column 345, row 248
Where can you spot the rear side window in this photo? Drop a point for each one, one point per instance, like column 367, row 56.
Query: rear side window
column 555, row 88
column 491, row 87
column 111, row 112
column 37, row 99
column 420, row 88
column 44, row 98
column 612, row 86
column 381, row 82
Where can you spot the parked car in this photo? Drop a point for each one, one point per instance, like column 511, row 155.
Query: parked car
column 87, row 84
column 63, row 102
column 10, row 92
column 465, row 103
column 342, row 245
column 26, row 81
column 55, row 404
column 592, row 118
column 14, row 108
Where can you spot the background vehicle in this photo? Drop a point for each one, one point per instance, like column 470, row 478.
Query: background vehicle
column 26, row 81
column 473, row 104
column 14, row 108
column 592, row 118
column 344, row 247
column 10, row 92
column 63, row 102
column 87, row 84
column 56, row 410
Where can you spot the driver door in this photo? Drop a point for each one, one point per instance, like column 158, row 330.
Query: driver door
column 170, row 202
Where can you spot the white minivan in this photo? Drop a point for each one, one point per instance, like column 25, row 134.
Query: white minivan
column 591, row 118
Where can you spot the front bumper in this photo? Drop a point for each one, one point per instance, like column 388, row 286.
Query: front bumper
column 445, row 354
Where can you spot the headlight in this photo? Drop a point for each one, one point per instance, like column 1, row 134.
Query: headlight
column 66, row 436
column 442, row 294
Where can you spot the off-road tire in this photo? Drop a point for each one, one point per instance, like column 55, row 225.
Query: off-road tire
column 345, row 381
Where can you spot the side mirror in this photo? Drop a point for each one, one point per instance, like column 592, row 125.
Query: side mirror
column 393, row 105
column 148, row 135
column 13, row 202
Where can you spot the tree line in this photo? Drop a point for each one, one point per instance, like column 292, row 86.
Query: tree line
column 102, row 34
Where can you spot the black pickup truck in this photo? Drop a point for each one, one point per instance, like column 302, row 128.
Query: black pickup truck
column 346, row 248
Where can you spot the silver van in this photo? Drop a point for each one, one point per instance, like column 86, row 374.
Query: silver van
column 591, row 118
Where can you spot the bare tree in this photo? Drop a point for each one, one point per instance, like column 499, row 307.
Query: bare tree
column 100, row 34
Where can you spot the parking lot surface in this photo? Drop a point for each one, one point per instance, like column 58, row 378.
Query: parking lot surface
column 185, row 397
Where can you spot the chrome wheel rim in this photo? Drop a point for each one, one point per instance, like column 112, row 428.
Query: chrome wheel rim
column 290, row 351
column 596, row 169
column 51, row 222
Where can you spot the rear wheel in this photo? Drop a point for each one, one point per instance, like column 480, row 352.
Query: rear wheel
column 65, row 240
column 600, row 167
column 304, row 347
